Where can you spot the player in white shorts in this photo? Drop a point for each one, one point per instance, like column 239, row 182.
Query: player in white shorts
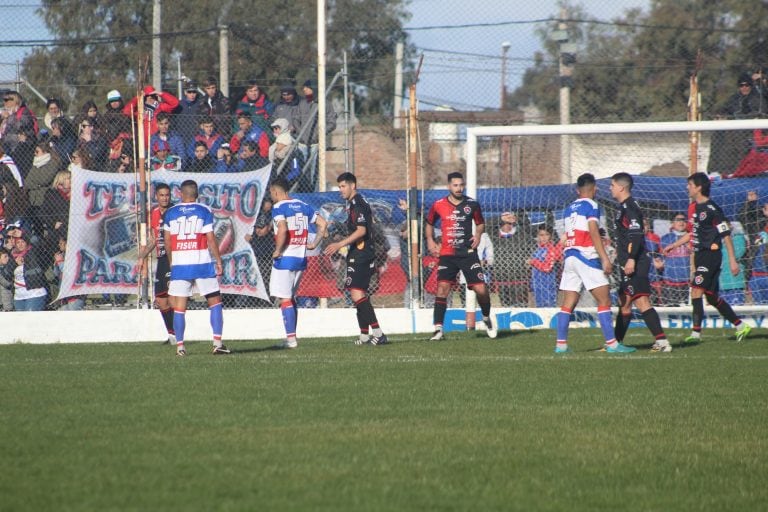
column 586, row 263
column 294, row 224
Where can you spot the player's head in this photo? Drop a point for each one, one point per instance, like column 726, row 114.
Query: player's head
column 189, row 191
column 698, row 184
column 279, row 188
column 621, row 185
column 586, row 185
column 456, row 184
column 163, row 195
column 347, row 185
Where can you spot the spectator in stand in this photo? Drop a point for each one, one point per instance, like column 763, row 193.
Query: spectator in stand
column 759, row 81
column 80, row 160
column 752, row 217
column 38, row 182
column 653, row 249
column 172, row 137
column 62, row 140
column 162, row 159
column 513, row 244
column 758, row 282
column 308, row 141
column 30, row 286
column 281, row 149
column 114, row 109
column 288, row 106
column 93, row 143
column 89, row 111
column 54, row 110
column 746, row 103
column 225, row 162
column 75, row 302
column 262, row 241
column 14, row 198
column 57, row 200
column 120, row 145
column 249, row 131
column 732, row 288
column 186, row 120
column 207, row 135
column 756, row 160
column 155, row 102
column 202, row 161
column 257, row 105
column 216, row 106
column 7, row 265
column 677, row 265
column 249, row 158
column 18, row 124
column 544, row 265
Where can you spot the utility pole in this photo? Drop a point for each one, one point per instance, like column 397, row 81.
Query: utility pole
column 504, row 49
column 224, row 49
column 157, row 69
column 398, row 103
column 321, row 120
column 567, row 60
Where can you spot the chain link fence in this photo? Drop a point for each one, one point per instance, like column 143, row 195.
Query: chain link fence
column 71, row 73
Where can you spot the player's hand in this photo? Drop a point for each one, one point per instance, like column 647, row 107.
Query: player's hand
column 219, row 268
column 332, row 248
column 475, row 242
column 248, row 237
column 666, row 250
column 432, row 246
column 278, row 254
column 607, row 266
column 629, row 267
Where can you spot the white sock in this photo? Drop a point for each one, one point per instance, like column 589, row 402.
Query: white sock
column 377, row 331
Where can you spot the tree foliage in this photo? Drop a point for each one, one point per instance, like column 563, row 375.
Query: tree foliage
column 105, row 44
column 637, row 67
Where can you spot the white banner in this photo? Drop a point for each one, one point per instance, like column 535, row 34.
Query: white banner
column 102, row 244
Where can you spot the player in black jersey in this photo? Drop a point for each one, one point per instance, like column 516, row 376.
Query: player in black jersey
column 708, row 231
column 360, row 259
column 634, row 264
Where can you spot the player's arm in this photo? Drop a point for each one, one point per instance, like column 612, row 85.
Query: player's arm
column 635, row 243
column 281, row 238
column 733, row 263
column 168, row 247
column 353, row 237
column 145, row 250
column 479, row 230
column 594, row 235
column 213, row 246
column 322, row 228
column 677, row 243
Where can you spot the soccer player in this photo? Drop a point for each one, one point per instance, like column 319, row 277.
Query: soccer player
column 586, row 263
column 293, row 222
column 708, row 231
column 163, row 271
column 634, row 264
column 458, row 251
column 360, row 259
column 193, row 255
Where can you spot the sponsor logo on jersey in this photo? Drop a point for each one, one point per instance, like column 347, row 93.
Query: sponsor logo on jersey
column 702, row 269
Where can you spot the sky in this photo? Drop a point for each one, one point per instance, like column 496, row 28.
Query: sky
column 462, row 66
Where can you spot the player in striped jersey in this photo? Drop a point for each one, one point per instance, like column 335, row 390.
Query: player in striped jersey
column 193, row 254
column 586, row 263
column 294, row 224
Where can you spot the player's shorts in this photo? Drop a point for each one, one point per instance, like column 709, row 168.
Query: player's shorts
column 638, row 284
column 706, row 274
column 448, row 268
column 284, row 283
column 577, row 273
column 188, row 287
column 162, row 277
column 360, row 268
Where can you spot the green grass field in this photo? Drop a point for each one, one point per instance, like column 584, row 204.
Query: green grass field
column 465, row 424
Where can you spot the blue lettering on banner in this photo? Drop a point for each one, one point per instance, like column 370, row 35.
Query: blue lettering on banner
column 237, row 269
column 93, row 269
column 758, row 320
column 105, row 196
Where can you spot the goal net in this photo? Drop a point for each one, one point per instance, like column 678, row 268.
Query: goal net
column 530, row 171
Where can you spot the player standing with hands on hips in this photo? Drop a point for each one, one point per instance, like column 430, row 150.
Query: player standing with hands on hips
column 586, row 263
column 360, row 259
column 193, row 254
column 458, row 251
column 634, row 264
column 708, row 230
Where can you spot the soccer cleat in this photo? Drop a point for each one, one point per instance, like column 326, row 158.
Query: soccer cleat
column 220, row 350
column 437, row 335
column 489, row 328
column 181, row 352
column 171, row 340
column 742, row 333
column 560, row 350
column 659, row 347
column 693, row 339
column 620, row 349
column 361, row 341
column 288, row 344
column 379, row 340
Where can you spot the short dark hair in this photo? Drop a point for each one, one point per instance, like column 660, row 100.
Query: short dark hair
column 206, row 119
column 280, row 183
column 455, row 176
column 347, row 177
column 189, row 187
column 211, row 80
column 253, row 83
column 243, row 115
column 53, row 101
column 585, row 180
column 251, row 144
column 201, row 143
column 624, row 179
column 162, row 186
column 162, row 116
column 701, row 179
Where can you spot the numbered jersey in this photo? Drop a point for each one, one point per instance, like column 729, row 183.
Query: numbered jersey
column 577, row 216
column 300, row 218
column 187, row 224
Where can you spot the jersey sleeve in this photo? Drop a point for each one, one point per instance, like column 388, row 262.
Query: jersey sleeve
column 721, row 223
column 478, row 215
column 432, row 215
column 635, row 235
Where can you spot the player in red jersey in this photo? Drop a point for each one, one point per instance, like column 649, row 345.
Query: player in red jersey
column 457, row 213
column 163, row 271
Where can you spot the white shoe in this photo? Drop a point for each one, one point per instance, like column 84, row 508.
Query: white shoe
column 171, row 340
column 489, row 327
column 661, row 347
column 437, row 335
column 287, row 344
column 362, row 341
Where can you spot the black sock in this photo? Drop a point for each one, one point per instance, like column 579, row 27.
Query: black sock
column 168, row 319
column 698, row 313
column 622, row 324
column 653, row 322
column 365, row 314
column 485, row 308
column 438, row 315
column 724, row 309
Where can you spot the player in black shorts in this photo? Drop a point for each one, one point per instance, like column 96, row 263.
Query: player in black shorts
column 708, row 231
column 634, row 264
column 458, row 251
column 360, row 259
column 163, row 270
